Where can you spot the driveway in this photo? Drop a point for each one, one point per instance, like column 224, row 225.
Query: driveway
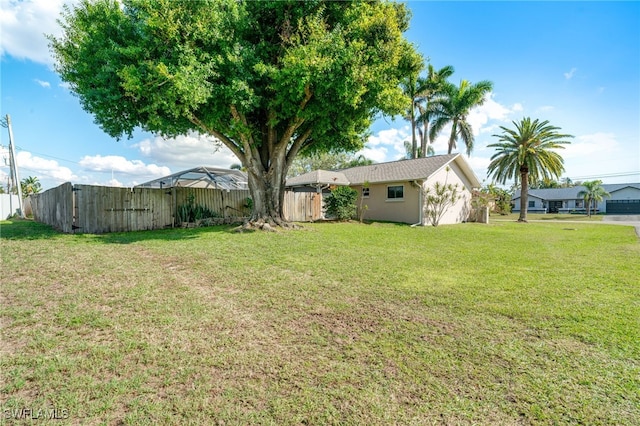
column 628, row 220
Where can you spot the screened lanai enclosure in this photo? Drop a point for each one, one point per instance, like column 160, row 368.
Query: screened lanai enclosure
column 202, row 177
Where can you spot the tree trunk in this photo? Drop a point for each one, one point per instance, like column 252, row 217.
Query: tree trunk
column 425, row 140
column 266, row 187
column 414, row 143
column 452, row 138
column 524, row 194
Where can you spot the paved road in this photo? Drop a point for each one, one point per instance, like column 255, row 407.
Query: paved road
column 628, row 220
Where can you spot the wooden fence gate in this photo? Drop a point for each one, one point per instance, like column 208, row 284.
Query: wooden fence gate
column 302, row 206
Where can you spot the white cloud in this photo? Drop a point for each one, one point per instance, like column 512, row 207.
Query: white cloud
column 589, row 145
column 387, row 145
column 395, row 137
column 479, row 165
column 188, row 151
column 377, row 154
column 545, row 108
column 41, row 167
column 114, row 182
column 43, row 83
column 489, row 110
column 569, row 75
column 24, row 25
column 517, row 107
column 119, row 164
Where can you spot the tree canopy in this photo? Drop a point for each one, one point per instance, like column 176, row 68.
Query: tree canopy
column 269, row 79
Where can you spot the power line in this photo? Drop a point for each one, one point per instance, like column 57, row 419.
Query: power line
column 607, row 175
column 46, row 155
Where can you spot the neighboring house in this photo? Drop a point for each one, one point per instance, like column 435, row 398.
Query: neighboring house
column 624, row 199
column 392, row 191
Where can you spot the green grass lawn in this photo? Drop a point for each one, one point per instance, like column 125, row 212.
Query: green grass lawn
column 549, row 216
column 349, row 323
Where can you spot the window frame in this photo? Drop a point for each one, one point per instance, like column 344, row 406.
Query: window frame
column 395, row 198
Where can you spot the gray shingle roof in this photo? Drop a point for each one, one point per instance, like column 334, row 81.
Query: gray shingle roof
column 319, row 177
column 572, row 193
column 394, row 171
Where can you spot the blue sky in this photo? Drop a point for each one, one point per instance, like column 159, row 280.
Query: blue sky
column 576, row 64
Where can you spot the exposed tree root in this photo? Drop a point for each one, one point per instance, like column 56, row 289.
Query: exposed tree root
column 267, row 225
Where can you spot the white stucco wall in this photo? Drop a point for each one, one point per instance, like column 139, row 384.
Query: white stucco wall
column 9, row 205
column 459, row 212
column 379, row 207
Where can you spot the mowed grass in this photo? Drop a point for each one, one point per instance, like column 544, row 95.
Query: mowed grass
column 339, row 323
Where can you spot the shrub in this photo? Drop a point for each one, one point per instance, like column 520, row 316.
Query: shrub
column 341, row 203
column 191, row 212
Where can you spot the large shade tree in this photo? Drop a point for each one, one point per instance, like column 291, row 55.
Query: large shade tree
column 269, row 79
column 527, row 154
column 454, row 107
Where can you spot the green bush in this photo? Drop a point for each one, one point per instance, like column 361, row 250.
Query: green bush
column 191, row 212
column 341, row 203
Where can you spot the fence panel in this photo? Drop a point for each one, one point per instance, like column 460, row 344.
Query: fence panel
column 302, row 206
column 98, row 209
column 103, row 209
column 55, row 207
column 227, row 204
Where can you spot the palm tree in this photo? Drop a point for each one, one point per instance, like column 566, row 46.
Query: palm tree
column 454, row 108
column 30, row 185
column 409, row 151
column 359, row 160
column 527, row 153
column 412, row 86
column 433, row 86
column 593, row 191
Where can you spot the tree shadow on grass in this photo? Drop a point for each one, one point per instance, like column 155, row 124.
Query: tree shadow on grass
column 21, row 229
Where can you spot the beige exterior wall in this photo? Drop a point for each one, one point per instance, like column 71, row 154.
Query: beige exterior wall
column 379, row 207
column 460, row 211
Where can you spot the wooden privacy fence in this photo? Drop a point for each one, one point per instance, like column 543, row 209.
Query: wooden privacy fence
column 54, row 207
column 302, row 206
column 99, row 209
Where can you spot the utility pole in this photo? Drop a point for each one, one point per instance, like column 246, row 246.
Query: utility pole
column 13, row 166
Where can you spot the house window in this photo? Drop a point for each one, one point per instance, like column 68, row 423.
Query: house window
column 365, row 192
column 579, row 204
column 395, row 192
column 532, row 204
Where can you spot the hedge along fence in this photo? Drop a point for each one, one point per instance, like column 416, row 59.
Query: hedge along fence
column 100, row 209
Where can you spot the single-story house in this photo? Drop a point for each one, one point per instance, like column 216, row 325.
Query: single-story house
column 394, row 191
column 624, row 199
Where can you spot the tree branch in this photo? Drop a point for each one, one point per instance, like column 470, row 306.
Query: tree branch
column 248, row 143
column 229, row 143
column 297, row 145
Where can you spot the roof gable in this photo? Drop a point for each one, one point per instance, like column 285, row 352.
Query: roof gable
column 393, row 171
